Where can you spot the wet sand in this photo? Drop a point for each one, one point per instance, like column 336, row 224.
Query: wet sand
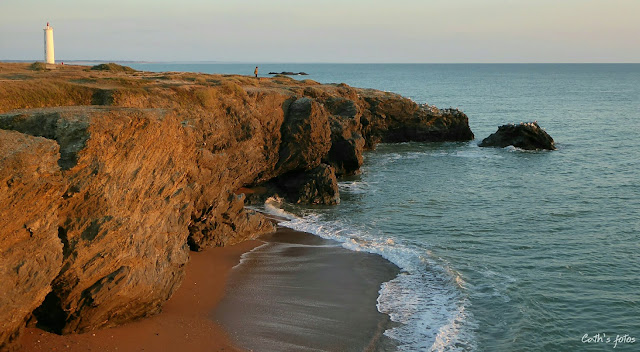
column 183, row 325
column 300, row 292
column 293, row 292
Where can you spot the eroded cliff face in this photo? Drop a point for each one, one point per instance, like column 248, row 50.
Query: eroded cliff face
column 30, row 251
column 122, row 216
column 153, row 169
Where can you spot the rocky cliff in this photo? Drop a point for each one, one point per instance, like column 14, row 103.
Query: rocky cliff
column 30, row 251
column 109, row 179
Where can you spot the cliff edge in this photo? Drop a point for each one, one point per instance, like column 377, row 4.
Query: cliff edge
column 110, row 179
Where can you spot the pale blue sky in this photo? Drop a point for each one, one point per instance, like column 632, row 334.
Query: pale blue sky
column 325, row 30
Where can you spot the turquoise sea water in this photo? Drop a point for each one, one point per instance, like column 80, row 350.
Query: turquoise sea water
column 501, row 249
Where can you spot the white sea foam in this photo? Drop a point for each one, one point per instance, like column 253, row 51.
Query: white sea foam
column 244, row 255
column 272, row 206
column 513, row 149
column 477, row 153
column 355, row 187
column 425, row 298
column 473, row 153
column 495, row 285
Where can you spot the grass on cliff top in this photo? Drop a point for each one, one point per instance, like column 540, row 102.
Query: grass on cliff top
column 40, row 94
column 113, row 67
column 22, row 87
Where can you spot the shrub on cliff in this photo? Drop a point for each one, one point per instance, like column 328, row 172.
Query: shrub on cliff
column 113, row 67
column 233, row 89
column 38, row 66
column 207, row 97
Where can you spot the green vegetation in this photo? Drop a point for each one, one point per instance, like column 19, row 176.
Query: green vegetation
column 113, row 67
column 38, row 66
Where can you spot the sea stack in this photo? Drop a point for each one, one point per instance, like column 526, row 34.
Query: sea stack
column 49, row 56
column 526, row 135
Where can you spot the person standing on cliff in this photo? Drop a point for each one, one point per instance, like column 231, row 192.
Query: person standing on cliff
column 255, row 72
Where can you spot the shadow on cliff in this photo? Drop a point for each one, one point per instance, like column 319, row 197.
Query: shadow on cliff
column 127, row 188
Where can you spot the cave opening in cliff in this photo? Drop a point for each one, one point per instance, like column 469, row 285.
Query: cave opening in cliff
column 50, row 315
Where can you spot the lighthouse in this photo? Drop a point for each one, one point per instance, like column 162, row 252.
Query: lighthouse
column 49, row 57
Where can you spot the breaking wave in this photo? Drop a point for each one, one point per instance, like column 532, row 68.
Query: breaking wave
column 425, row 299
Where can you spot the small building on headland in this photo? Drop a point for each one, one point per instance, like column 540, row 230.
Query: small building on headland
column 49, row 55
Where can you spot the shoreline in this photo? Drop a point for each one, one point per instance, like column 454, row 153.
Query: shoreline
column 301, row 292
column 336, row 300
column 183, row 324
column 116, row 241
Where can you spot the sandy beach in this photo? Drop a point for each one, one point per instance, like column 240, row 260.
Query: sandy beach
column 183, row 325
column 292, row 291
column 114, row 212
column 300, row 292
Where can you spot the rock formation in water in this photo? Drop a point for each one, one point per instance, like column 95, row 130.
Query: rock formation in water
column 527, row 135
column 289, row 73
column 109, row 179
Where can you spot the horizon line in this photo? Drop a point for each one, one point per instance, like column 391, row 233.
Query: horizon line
column 317, row 63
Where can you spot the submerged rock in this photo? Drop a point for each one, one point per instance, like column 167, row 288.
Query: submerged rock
column 526, row 135
column 289, row 73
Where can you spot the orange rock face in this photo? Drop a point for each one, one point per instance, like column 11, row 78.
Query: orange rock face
column 30, row 251
column 150, row 171
column 123, row 215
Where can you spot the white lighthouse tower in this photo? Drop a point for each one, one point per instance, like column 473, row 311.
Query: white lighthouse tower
column 49, row 56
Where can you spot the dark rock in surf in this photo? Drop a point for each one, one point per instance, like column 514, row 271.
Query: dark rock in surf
column 316, row 186
column 527, row 135
column 289, row 73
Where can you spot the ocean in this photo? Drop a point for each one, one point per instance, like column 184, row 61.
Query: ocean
column 499, row 249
